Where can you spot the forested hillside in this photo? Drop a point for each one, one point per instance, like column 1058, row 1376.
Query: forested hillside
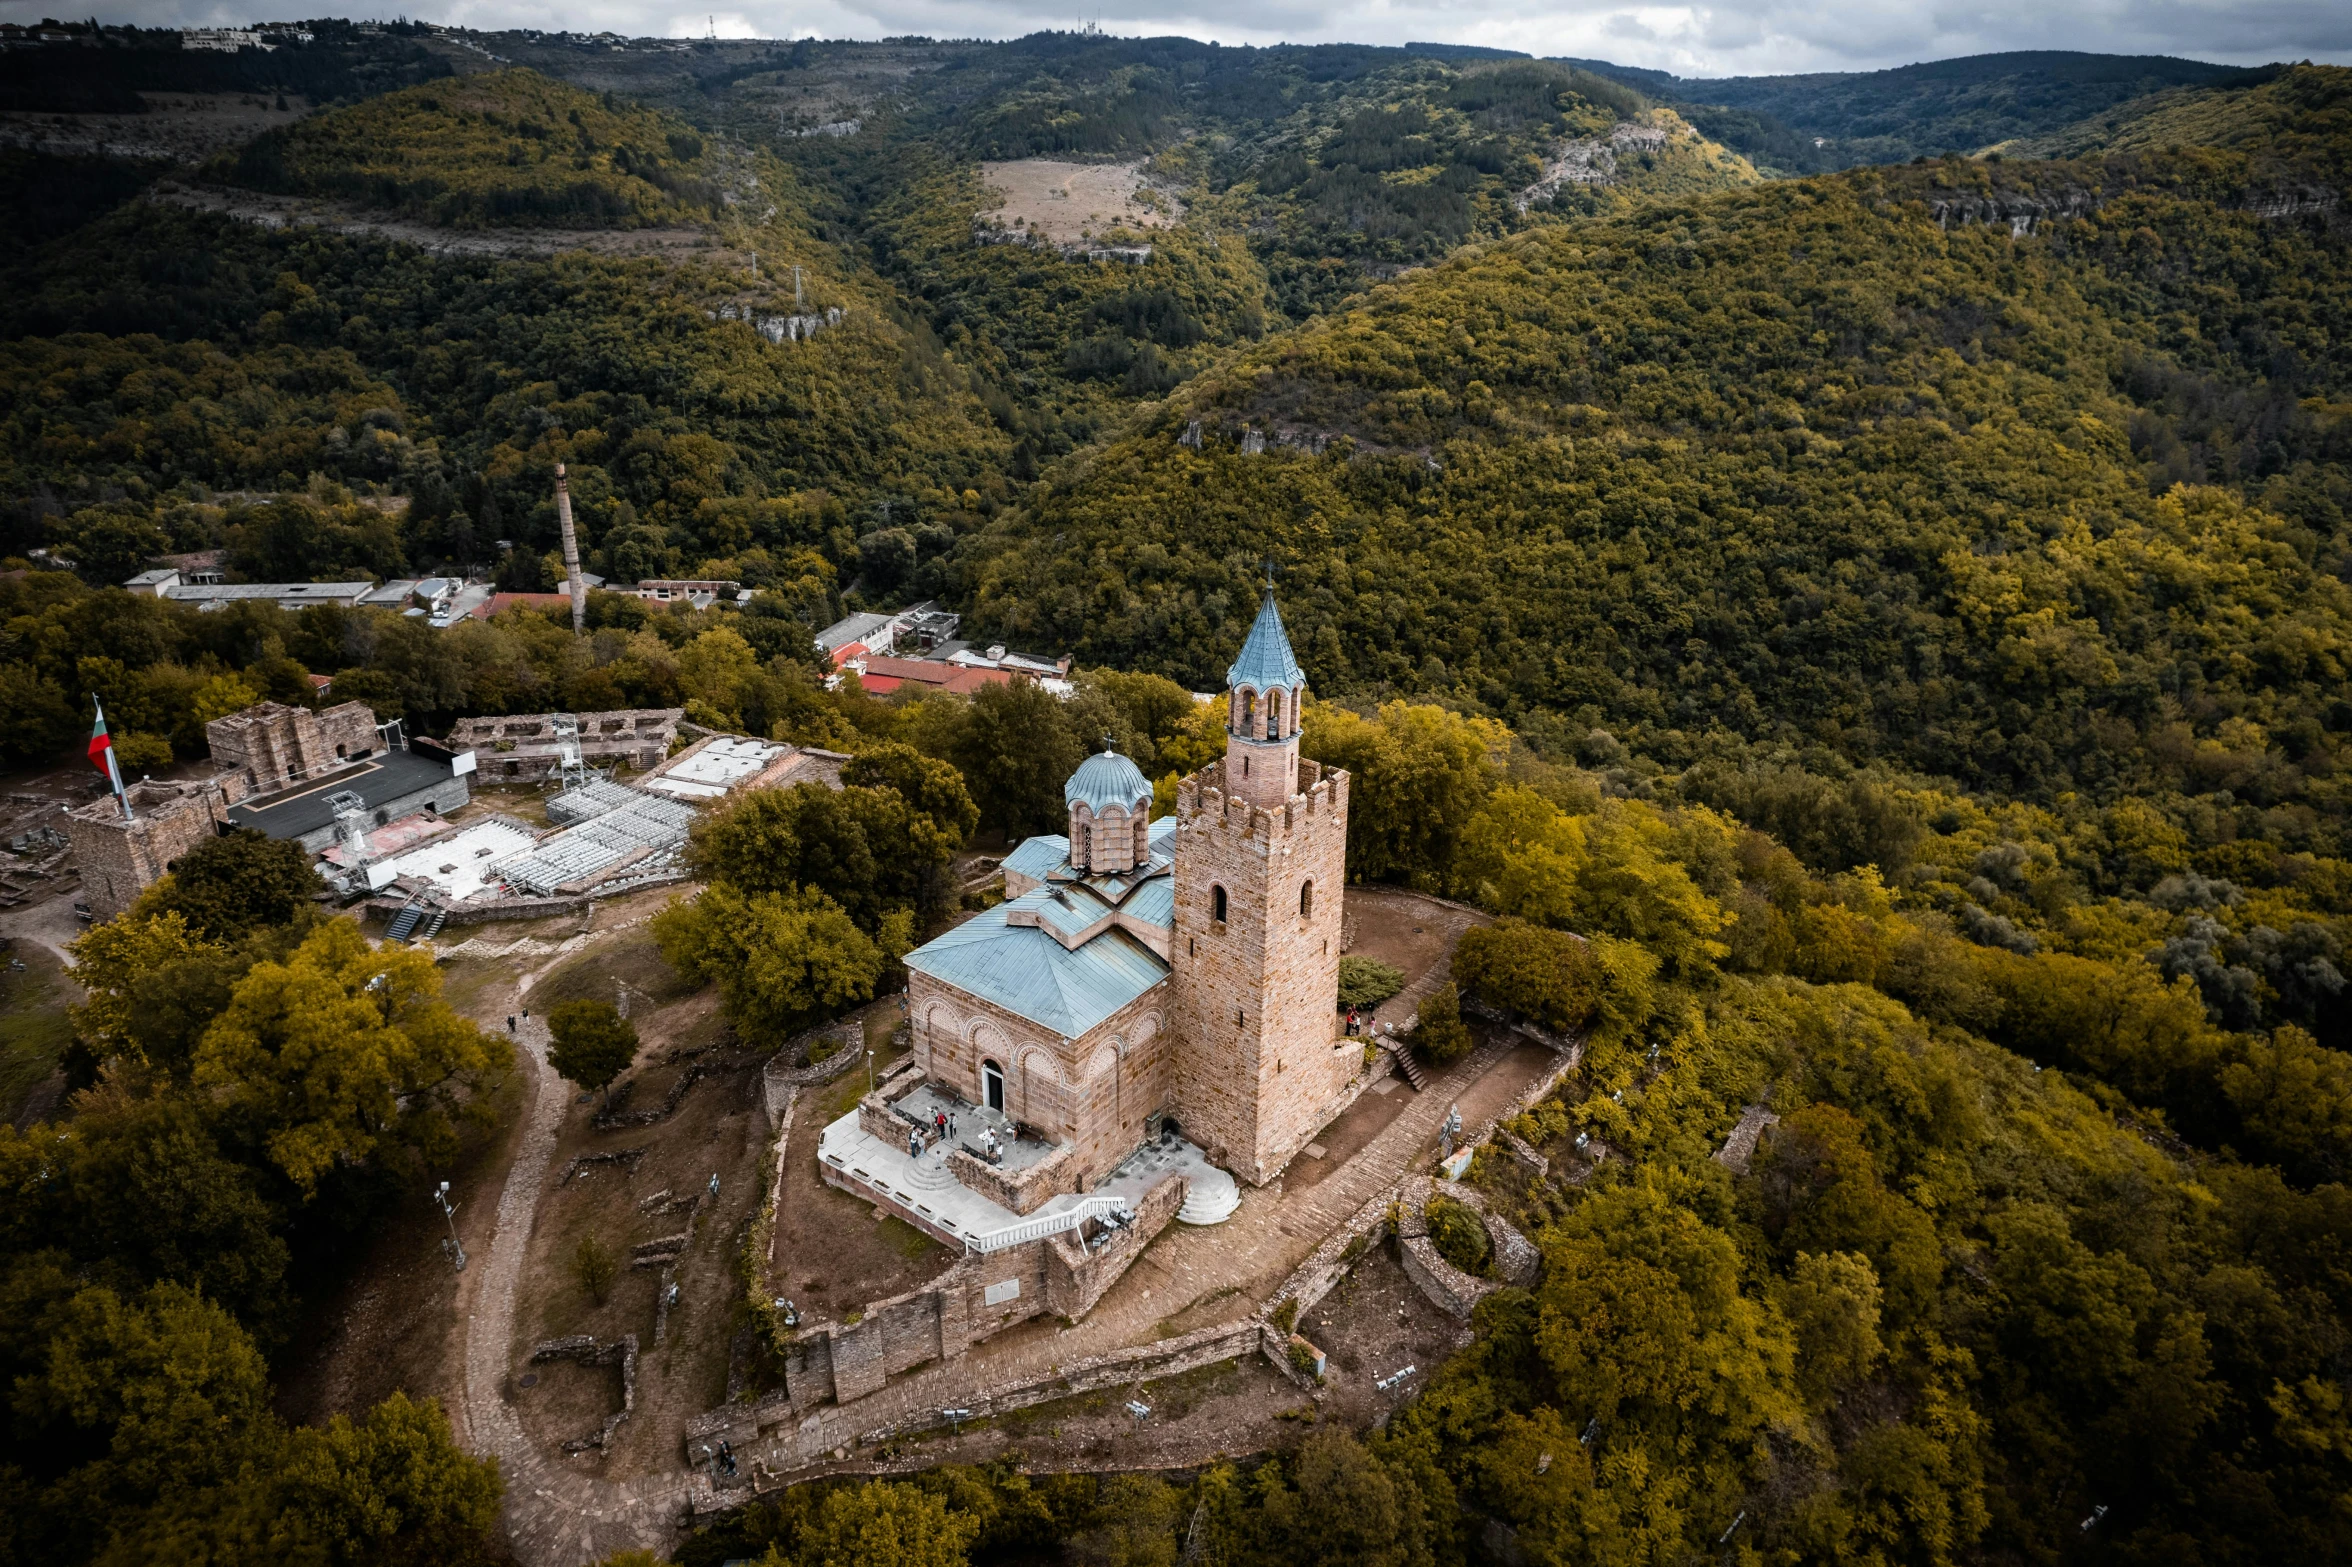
column 506, row 148
column 1941, row 107
column 1877, row 642
column 1824, row 462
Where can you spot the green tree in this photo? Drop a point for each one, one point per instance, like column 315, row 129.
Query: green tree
column 1366, row 982
column 593, row 1267
column 931, row 787
column 228, row 885
column 866, row 1525
column 589, row 1042
column 781, row 960
column 1440, row 1037
column 1419, row 774
column 393, row 1487
column 342, row 1051
column 1832, row 1304
column 1016, row 749
column 136, row 1191
column 1547, row 976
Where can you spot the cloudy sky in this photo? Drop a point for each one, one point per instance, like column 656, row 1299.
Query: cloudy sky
column 1769, row 36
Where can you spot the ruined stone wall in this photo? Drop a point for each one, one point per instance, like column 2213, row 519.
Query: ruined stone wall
column 120, row 859
column 270, row 745
column 1254, row 996
column 845, row 1361
column 978, row 1297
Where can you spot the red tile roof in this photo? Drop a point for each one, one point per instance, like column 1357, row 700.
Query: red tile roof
column 884, row 675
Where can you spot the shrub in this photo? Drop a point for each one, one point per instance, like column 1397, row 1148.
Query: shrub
column 1367, row 982
column 594, row 1267
column 1439, row 1035
column 1459, row 1235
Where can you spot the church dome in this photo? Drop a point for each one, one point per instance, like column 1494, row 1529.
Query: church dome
column 1106, row 781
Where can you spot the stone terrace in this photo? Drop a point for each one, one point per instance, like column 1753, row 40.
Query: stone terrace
column 1190, row 1279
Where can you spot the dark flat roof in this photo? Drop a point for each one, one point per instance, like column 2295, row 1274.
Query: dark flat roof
column 379, row 780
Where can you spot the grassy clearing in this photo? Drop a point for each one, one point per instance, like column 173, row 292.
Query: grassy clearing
column 34, row 1029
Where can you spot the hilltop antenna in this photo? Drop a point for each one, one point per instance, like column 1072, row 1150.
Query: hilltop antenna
column 714, row 29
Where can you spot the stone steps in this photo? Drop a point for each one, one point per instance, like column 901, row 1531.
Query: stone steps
column 1209, row 1198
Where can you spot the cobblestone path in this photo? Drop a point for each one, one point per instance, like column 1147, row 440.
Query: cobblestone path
column 558, row 1513
column 1223, row 1273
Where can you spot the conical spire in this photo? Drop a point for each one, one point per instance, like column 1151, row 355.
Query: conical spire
column 1266, row 660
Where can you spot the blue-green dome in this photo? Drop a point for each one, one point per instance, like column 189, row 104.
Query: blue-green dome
column 1106, row 781
column 1266, row 660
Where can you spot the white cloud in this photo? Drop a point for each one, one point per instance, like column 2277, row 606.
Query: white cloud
column 1765, row 37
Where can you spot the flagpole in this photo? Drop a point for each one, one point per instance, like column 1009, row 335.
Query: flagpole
column 102, row 741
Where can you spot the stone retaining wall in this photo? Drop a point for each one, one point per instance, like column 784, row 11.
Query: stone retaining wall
column 1059, row 1275
column 1452, row 1291
column 745, row 1424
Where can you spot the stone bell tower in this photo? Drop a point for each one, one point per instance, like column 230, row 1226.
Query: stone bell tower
column 1260, row 861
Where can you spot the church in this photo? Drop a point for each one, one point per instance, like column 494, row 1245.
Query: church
column 1155, row 1001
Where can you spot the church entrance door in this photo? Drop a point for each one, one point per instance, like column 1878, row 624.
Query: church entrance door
column 992, row 1085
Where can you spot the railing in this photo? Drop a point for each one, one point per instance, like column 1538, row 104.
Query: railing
column 1045, row 1224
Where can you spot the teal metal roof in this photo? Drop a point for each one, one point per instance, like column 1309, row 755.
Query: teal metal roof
column 1154, row 903
column 1104, row 780
column 1039, row 857
column 1028, row 973
column 1266, row 660
column 1047, row 858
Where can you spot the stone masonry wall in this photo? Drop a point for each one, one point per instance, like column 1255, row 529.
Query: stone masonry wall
column 1254, row 996
column 270, row 744
column 120, row 859
column 978, row 1297
column 1077, row 1276
column 1093, row 1093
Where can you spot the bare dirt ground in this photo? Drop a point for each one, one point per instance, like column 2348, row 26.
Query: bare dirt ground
column 1410, row 932
column 182, row 128
column 831, row 1252
column 1348, row 1136
column 1063, row 203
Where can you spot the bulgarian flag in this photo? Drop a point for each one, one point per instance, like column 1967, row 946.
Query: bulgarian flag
column 102, row 754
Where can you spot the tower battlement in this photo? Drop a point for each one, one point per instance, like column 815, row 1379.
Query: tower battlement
column 1203, row 804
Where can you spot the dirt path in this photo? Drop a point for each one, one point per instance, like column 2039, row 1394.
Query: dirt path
column 555, row 1514
column 287, row 211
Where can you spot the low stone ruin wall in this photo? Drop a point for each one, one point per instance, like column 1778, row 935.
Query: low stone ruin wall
column 584, row 1349
column 1060, row 1275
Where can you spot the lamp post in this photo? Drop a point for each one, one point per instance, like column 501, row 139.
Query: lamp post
column 454, row 1246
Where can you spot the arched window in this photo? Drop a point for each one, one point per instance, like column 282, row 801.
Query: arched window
column 1306, row 900
column 1273, row 715
column 992, row 1092
column 1217, row 905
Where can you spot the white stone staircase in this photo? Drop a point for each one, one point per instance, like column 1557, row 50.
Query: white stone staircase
column 1210, row 1196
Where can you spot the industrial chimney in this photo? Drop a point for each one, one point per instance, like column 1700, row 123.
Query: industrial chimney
column 571, row 544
